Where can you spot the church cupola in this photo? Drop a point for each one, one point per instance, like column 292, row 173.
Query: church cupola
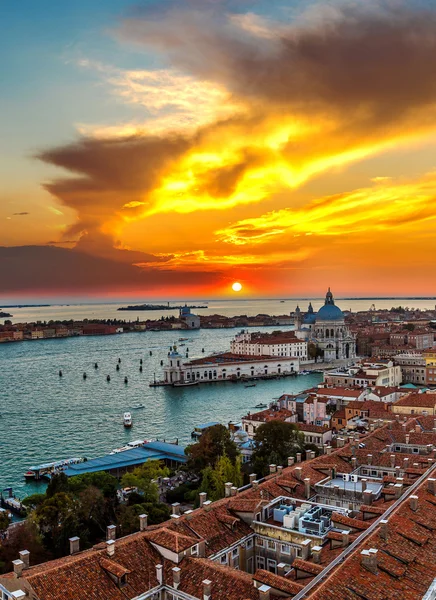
column 329, row 298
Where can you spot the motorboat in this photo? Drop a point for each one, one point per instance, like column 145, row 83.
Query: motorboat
column 261, row 405
column 130, row 446
column 184, row 383
column 127, row 419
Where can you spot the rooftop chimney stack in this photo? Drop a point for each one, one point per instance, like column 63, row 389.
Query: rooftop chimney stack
column 143, row 522
column 176, row 577
column 298, row 473
column 291, row 461
column 18, row 568
column 203, row 498
column 233, row 490
column 111, row 532
column 175, row 507
column 316, row 554
column 264, row 592
column 353, row 462
column 367, row 497
column 392, row 459
column 25, row 557
column 369, row 459
column 384, row 529
column 207, row 589
column 279, row 470
column 255, row 485
column 397, row 471
column 431, row 486
column 252, row 477
column 281, row 569
column 407, row 438
column 413, row 503
column 369, row 560
column 228, row 488
column 272, row 469
column 110, row 547
column 364, row 481
column 74, row 544
column 307, row 491
column 159, row 574
column 298, row 457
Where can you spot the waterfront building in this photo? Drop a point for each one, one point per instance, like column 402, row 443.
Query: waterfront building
column 375, row 372
column 326, row 517
column 227, row 366
column 327, row 330
column 189, row 320
column 279, row 343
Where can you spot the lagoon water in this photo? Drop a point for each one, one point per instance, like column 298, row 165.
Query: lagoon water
column 44, row 417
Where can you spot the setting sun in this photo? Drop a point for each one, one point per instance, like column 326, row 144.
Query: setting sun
column 236, row 287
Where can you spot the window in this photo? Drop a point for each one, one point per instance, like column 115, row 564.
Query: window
column 259, row 542
column 271, row 545
column 415, row 450
column 249, row 543
column 235, row 552
column 260, row 562
column 194, row 550
column 223, row 559
column 286, row 549
column 272, row 565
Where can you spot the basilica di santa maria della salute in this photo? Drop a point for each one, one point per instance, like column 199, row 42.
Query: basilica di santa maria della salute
column 326, row 329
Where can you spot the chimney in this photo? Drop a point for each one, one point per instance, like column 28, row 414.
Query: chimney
column 143, row 522
column 397, row 471
column 329, row 449
column 264, row 592
column 367, row 497
column 18, row 595
column 255, row 485
column 233, row 490
column 406, row 463
column 307, row 491
column 364, row 481
column 176, row 577
column 298, row 457
column 345, row 538
column 431, row 486
column 316, row 554
column 369, row 560
column 110, row 547
column 281, row 569
column 203, row 498
column 407, row 438
column 25, row 557
column 111, row 532
column 207, row 589
column 227, row 488
column 207, row 505
column 18, row 567
column 175, row 508
column 392, row 459
column 74, row 544
column 252, row 477
column 159, row 574
column 369, row 459
column 384, row 529
column 298, row 473
column 340, row 442
column 291, row 461
column 413, row 500
column 417, row 429
column 188, row 514
column 354, row 463
column 272, row 469
column 279, row 470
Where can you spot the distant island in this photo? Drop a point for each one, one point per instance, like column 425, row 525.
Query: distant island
column 159, row 307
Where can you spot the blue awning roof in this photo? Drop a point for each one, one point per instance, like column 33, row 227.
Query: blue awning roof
column 129, row 458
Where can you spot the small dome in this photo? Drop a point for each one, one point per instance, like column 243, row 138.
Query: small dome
column 309, row 319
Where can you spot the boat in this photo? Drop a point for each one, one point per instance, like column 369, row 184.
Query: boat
column 250, row 385
column 127, row 419
column 130, row 446
column 183, row 339
column 261, row 405
column 46, row 470
column 184, row 383
column 304, row 372
column 138, row 407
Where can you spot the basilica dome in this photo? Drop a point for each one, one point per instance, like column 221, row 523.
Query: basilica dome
column 329, row 312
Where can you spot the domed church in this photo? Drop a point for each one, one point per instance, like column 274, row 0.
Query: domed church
column 327, row 330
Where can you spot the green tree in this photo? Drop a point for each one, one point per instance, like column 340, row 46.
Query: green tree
column 104, row 482
column 57, row 520
column 4, row 521
column 142, row 478
column 214, row 479
column 274, row 442
column 34, row 500
column 214, row 443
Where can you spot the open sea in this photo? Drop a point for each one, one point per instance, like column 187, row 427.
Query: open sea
column 44, row 417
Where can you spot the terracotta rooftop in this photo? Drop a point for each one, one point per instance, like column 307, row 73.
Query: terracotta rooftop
column 417, row 400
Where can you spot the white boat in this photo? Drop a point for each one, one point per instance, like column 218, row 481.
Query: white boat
column 130, row 446
column 184, row 383
column 127, row 419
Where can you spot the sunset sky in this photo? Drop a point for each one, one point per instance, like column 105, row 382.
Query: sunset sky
column 166, row 149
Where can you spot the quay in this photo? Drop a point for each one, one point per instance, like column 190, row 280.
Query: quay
column 117, row 464
column 12, row 504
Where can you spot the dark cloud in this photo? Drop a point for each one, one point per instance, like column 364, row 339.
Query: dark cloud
column 48, row 269
column 358, row 55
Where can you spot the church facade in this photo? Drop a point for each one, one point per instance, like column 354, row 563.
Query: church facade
column 327, row 330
